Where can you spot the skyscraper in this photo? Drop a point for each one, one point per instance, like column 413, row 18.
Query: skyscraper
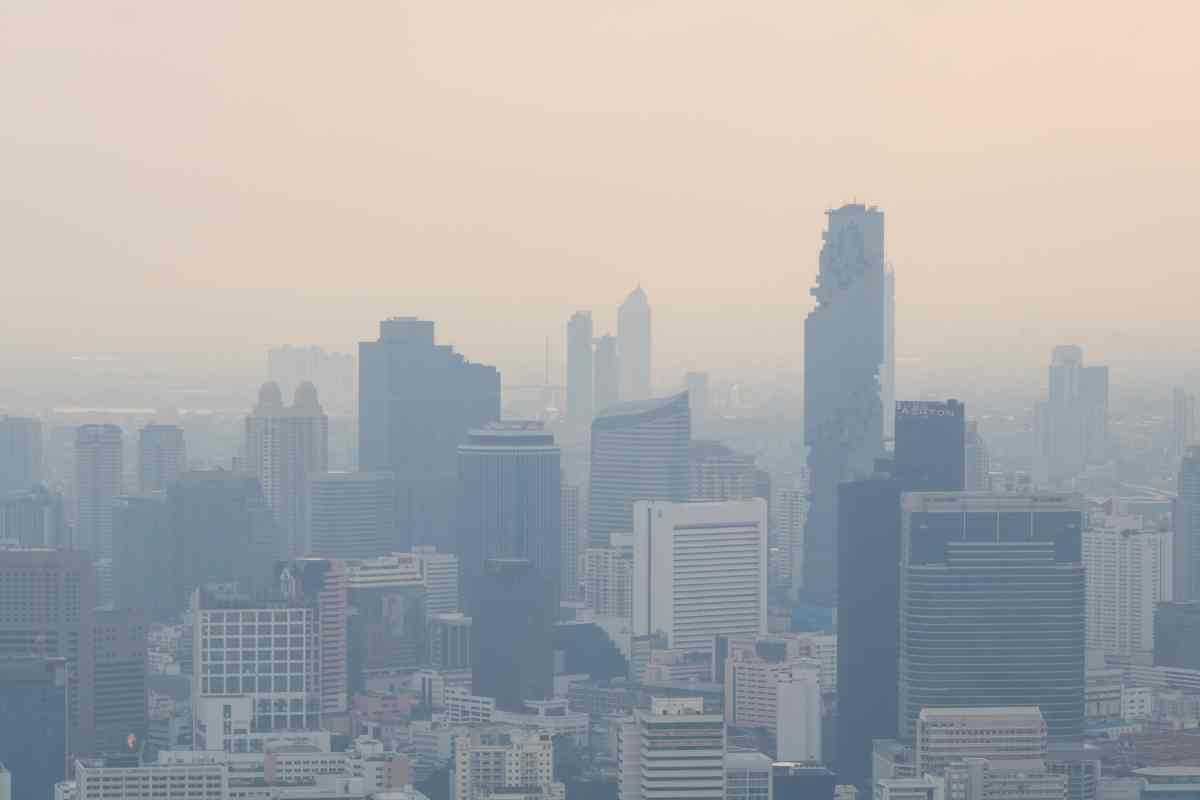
column 511, row 644
column 20, row 453
column 843, row 353
column 992, row 605
column 417, row 400
column 572, row 551
column 1128, row 573
column 162, row 456
column 696, row 385
column 285, row 446
column 930, row 445
column 673, row 749
column 1186, row 519
column 639, row 452
column 440, row 572
column 887, row 370
column 34, row 517
column 355, row 515
column 634, row 346
column 510, row 501
column 1185, row 421
column 33, row 739
column 978, row 461
column 98, row 480
column 579, row 368
column 607, row 385
column 1072, row 423
column 120, row 678
column 699, row 570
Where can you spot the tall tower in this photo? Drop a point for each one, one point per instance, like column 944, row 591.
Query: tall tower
column 416, row 402
column 608, row 374
column 510, row 501
column 1072, row 423
column 511, row 634
column 20, row 453
column 98, row 480
column 354, row 515
column 639, row 452
column 284, row 448
column 843, row 353
column 1186, row 558
column 887, row 371
column 634, row 345
column 162, row 456
column 579, row 368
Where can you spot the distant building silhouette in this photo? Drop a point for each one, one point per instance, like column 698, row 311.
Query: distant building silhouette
column 887, row 370
column 511, row 634
column 1186, row 517
column 580, row 372
column 607, row 384
column 843, row 353
column 716, row 472
column 639, row 452
column 120, row 678
column 417, row 400
column 572, row 546
column 1072, row 423
column 634, row 346
column 333, row 374
column 285, row 447
column 355, row 515
column 162, row 456
column 510, row 501
column 696, row 385
column 1185, row 421
column 1177, row 635
column 33, row 690
column 977, row 460
column 34, row 517
column 20, row 453
column 99, row 473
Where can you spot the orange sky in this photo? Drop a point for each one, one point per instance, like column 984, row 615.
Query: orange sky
column 228, row 175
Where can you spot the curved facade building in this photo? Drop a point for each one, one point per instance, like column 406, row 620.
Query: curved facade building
column 639, row 452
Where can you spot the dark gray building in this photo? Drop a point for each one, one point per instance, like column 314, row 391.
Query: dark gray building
column 512, row 634
column 1186, row 516
column 1177, row 635
column 639, row 452
column 20, row 453
column 33, row 691
column 120, row 684
column 355, row 515
column 34, row 517
column 416, row 402
column 509, row 501
column 930, row 445
column 843, row 355
column 992, row 605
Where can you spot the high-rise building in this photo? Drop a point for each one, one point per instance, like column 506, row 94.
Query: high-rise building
column 977, row 460
column 1185, row 421
column 33, row 739
column 696, row 386
column 120, row 678
column 799, row 715
column 843, row 355
column 672, row 749
column 699, row 570
column 790, row 510
column 440, row 572
column 285, row 446
column 20, row 453
column 1177, row 635
column 322, row 584
column 510, row 501
column 354, row 515
column 388, row 612
column 162, row 457
column 887, row 369
column 930, row 445
column 511, row 644
column 450, row 641
column 992, row 605
column 1186, row 519
column 1072, row 423
column 947, row 735
column 49, row 601
column 98, row 480
column 417, row 400
column 493, row 763
column 607, row 383
column 34, row 517
column 1128, row 572
column 608, row 580
column 639, row 452
column 634, row 346
column 579, row 368
column 716, row 472
column 571, row 544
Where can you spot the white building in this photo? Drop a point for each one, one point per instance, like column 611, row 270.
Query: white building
column 204, row 779
column 905, row 789
column 703, row 566
column 488, row 761
column 947, row 735
column 747, row 776
column 608, row 578
column 1128, row 571
column 672, row 750
column 798, row 716
column 440, row 573
column 983, row 779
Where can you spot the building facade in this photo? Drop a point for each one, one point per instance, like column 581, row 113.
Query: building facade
column 511, row 636
column 1128, row 573
column 579, row 368
column 1186, row 520
column 162, row 457
column 20, row 453
column 354, row 515
column 99, row 478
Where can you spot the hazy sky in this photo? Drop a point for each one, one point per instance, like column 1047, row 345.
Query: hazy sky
column 227, row 175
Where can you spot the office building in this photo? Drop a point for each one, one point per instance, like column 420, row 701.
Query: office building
column 789, row 506
column 440, row 571
column 120, row 678
column 499, row 762
column 276, row 687
column 716, row 472
column 450, row 641
column 199, row 780
column 843, row 354
column 1072, row 422
column 671, row 749
column 634, row 347
column 607, row 383
column 510, row 501
column 798, row 716
column 388, row 612
column 1185, row 421
column 792, row 780
column 930, row 445
column 978, row 461
column 772, row 684
column 608, row 579
column 162, row 457
column 511, row 644
column 980, row 778
column 322, row 584
column 417, row 400
column 639, row 452
column 285, row 446
column 34, row 517
column 354, row 515
column 33, row 738
column 579, row 368
column 1128, row 572
column 992, row 605
column 49, row 597
column 1177, row 635
column 1186, row 519
column 700, row 570
column 20, row 453
column 747, row 776
column 572, row 550
column 696, row 386
column 947, row 735
column 98, row 481
column 906, row 789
